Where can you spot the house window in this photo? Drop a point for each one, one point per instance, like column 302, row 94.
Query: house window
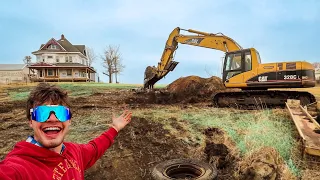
column 40, row 73
column 69, row 72
column 57, row 59
column 52, row 46
column 83, row 74
column 67, row 60
column 49, row 57
column 50, row 72
column 70, row 58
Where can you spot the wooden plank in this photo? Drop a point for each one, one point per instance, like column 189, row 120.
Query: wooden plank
column 295, row 118
column 316, row 124
column 306, row 128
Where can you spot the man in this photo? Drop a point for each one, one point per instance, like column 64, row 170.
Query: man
column 45, row 155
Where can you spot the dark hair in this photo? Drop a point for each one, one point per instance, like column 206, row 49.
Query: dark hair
column 46, row 93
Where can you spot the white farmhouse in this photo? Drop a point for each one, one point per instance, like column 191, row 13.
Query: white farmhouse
column 59, row 60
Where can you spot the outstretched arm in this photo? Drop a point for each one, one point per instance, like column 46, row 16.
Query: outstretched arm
column 92, row 151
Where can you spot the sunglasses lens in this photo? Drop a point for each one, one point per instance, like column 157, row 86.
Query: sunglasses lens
column 62, row 113
column 42, row 113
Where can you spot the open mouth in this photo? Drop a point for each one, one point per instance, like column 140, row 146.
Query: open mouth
column 51, row 130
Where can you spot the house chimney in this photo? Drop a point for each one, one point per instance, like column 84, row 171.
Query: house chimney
column 62, row 36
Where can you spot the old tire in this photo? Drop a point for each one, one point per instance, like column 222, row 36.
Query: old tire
column 183, row 169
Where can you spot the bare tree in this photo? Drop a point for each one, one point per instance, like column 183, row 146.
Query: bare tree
column 107, row 62
column 117, row 63
column 27, row 59
column 112, row 62
column 91, row 56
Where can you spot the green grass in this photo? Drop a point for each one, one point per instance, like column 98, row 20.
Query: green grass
column 97, row 85
column 19, row 95
column 75, row 89
column 84, row 127
column 250, row 130
column 105, row 85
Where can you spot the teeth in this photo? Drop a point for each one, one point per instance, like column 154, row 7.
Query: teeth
column 51, row 129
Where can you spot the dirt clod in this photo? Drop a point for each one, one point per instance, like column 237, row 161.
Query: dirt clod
column 263, row 164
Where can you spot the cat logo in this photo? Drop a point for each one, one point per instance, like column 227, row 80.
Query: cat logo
column 193, row 41
column 263, row 78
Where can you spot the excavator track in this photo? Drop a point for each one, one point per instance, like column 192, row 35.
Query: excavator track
column 253, row 99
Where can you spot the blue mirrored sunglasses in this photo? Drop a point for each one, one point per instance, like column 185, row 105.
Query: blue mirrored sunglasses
column 42, row 113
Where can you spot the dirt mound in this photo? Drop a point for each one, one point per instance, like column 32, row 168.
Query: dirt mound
column 264, row 164
column 196, row 86
column 190, row 89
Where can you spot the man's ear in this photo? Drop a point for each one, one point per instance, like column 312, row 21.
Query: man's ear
column 30, row 123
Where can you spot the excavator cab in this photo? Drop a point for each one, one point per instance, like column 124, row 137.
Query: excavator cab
column 238, row 62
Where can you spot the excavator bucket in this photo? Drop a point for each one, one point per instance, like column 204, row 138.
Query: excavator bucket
column 153, row 75
column 150, row 77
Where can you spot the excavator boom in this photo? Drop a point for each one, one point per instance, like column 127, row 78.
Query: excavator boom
column 202, row 39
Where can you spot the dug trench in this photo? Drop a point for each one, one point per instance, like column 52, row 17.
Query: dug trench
column 143, row 144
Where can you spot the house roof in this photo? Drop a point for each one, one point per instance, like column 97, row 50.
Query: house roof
column 81, row 48
column 67, row 45
column 11, row 67
column 64, row 43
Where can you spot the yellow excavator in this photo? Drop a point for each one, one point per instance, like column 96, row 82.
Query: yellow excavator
column 242, row 69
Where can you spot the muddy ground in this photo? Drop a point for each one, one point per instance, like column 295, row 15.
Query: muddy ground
column 145, row 143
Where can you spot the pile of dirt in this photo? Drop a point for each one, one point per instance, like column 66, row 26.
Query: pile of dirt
column 196, row 87
column 190, row 89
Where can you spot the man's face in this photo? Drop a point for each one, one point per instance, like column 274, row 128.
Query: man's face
column 51, row 133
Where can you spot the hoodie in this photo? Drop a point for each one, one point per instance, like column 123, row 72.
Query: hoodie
column 31, row 162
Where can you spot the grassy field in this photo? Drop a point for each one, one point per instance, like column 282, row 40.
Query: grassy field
column 21, row 91
column 248, row 130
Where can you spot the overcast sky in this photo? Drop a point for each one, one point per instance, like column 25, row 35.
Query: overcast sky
column 280, row 30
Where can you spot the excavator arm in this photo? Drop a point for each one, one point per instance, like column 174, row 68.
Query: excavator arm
column 202, row 39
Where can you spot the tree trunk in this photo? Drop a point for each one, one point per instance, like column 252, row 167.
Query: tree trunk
column 110, row 78
column 116, row 74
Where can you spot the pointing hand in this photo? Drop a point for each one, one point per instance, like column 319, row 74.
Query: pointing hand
column 120, row 122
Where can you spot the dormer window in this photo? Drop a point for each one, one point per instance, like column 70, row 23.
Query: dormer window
column 53, row 46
